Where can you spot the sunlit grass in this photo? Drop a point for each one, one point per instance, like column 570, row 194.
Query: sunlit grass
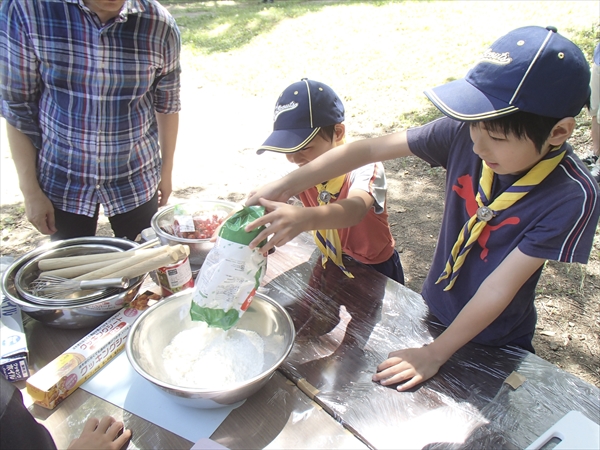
column 378, row 56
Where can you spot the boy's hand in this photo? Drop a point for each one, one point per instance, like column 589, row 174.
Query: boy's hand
column 411, row 366
column 101, row 434
column 285, row 223
column 270, row 191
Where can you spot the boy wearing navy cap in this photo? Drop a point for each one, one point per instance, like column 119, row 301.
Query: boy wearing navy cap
column 516, row 194
column 347, row 213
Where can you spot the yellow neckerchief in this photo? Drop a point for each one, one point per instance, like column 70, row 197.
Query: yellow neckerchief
column 475, row 225
column 328, row 241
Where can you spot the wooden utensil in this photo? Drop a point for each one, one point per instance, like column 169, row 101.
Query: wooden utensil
column 174, row 253
column 73, row 261
column 139, row 264
column 69, row 271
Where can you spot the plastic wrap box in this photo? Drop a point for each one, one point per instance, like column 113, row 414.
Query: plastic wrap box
column 13, row 344
column 60, row 377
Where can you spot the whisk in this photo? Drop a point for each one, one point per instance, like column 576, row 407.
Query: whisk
column 50, row 286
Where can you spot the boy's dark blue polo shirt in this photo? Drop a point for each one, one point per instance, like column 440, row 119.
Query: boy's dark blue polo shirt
column 556, row 220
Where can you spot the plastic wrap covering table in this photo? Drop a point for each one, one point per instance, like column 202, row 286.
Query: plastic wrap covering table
column 346, row 327
column 278, row 416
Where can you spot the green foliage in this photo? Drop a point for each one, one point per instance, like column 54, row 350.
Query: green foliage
column 585, row 38
column 419, row 117
column 222, row 26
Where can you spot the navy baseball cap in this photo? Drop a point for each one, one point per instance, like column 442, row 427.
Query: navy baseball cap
column 302, row 109
column 531, row 69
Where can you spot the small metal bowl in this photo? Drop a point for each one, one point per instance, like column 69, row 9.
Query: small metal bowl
column 145, row 345
column 89, row 315
column 30, row 271
column 163, row 220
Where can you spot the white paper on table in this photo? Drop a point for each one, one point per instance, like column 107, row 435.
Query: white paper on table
column 135, row 394
column 207, row 444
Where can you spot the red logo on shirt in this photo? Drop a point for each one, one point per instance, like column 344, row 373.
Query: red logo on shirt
column 464, row 189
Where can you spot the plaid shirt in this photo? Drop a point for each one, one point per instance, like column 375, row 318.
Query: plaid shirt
column 86, row 94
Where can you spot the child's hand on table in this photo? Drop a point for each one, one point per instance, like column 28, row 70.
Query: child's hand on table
column 409, row 366
column 101, row 434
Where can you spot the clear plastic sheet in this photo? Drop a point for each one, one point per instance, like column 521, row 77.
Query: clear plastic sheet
column 346, row 327
column 277, row 416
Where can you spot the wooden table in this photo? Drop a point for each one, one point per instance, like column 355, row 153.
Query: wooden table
column 323, row 397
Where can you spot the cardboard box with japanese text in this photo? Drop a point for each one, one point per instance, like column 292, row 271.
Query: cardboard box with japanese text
column 13, row 344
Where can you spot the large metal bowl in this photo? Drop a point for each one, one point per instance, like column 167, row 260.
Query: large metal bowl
column 157, row 326
column 199, row 248
column 89, row 315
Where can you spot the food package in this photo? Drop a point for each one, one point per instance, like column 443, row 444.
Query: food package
column 13, row 348
column 61, row 376
column 230, row 274
column 199, row 225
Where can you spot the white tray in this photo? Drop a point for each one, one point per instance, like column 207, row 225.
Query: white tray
column 574, row 430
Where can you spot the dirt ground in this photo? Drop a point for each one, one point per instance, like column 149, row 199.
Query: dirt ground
column 227, row 167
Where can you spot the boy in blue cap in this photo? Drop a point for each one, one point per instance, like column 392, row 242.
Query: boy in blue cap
column 347, row 213
column 516, row 194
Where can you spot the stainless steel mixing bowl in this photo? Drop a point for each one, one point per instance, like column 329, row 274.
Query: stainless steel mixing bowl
column 89, row 315
column 199, row 248
column 157, row 326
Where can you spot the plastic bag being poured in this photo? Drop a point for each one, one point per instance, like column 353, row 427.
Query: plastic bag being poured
column 231, row 273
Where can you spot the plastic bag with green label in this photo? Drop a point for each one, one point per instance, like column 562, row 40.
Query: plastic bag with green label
column 231, row 273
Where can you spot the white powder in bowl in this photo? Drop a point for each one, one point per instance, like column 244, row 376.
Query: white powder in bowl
column 206, row 357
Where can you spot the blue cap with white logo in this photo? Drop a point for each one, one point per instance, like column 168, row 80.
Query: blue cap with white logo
column 302, row 109
column 530, row 69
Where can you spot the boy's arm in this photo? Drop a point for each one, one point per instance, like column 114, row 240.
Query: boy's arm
column 335, row 162
column 415, row 365
column 287, row 221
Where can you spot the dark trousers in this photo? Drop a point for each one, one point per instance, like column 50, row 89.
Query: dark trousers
column 127, row 225
column 391, row 268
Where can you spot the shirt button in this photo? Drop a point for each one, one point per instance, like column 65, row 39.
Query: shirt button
column 97, row 186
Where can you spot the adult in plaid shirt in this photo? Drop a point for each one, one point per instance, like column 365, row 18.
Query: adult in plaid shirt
column 90, row 93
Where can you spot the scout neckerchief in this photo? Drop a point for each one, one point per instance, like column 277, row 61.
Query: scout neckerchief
column 475, row 225
column 328, row 241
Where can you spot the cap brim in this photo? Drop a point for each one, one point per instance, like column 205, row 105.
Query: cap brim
column 461, row 100
column 288, row 141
